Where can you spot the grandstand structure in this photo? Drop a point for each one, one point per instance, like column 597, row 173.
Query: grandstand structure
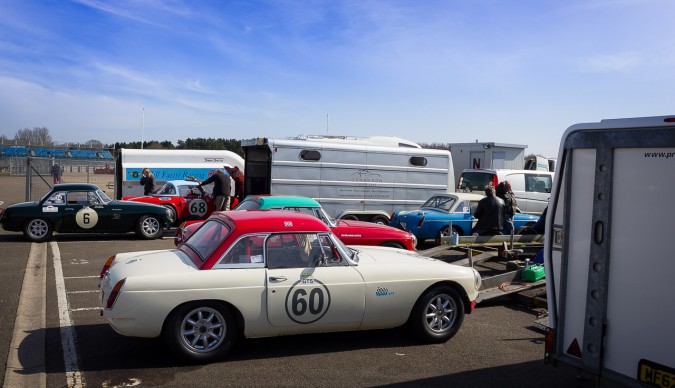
column 91, row 165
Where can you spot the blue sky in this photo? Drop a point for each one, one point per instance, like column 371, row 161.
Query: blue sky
column 450, row 71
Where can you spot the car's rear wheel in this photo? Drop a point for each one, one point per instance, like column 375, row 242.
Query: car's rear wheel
column 201, row 331
column 438, row 314
column 349, row 218
column 444, row 233
column 382, row 220
column 171, row 212
column 38, row 230
column 149, row 227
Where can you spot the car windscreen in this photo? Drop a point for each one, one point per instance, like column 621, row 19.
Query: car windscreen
column 248, row 205
column 442, row 203
column 207, row 238
column 475, row 181
column 104, row 197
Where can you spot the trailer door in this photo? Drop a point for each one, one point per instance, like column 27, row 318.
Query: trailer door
column 610, row 252
column 257, row 170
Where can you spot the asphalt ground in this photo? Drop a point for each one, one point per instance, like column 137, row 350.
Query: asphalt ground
column 497, row 345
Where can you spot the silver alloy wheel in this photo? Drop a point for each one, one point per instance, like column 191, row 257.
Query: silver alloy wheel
column 150, row 226
column 441, row 313
column 38, row 228
column 203, row 329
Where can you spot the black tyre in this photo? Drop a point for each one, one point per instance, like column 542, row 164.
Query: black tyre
column 38, row 230
column 149, row 227
column 171, row 213
column 349, row 218
column 393, row 244
column 201, row 331
column 438, row 315
column 382, row 220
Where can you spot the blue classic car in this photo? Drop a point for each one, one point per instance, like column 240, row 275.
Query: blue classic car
column 432, row 220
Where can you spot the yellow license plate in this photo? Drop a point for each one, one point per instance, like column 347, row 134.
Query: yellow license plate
column 656, row 374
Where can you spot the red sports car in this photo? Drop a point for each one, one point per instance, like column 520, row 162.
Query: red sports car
column 350, row 232
column 184, row 200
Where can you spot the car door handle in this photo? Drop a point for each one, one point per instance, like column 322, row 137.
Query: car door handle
column 278, row 278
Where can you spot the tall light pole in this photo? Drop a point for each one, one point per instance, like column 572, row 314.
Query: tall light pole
column 142, row 126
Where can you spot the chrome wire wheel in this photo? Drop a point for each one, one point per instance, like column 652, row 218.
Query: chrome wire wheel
column 441, row 313
column 203, row 330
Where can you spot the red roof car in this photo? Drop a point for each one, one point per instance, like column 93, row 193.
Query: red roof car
column 184, row 200
column 348, row 231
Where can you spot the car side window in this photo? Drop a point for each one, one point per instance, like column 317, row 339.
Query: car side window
column 58, row 198
column 77, row 198
column 93, row 199
column 291, row 250
column 248, row 249
column 539, row 183
column 331, row 255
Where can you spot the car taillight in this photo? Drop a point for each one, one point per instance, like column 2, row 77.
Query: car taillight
column 107, row 265
column 494, row 181
column 115, row 293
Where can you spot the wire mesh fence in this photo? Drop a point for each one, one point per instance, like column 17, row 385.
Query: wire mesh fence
column 41, row 179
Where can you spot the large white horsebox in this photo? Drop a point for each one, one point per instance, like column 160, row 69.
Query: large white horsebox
column 364, row 178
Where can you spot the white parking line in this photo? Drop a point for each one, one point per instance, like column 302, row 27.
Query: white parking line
column 68, row 336
column 29, row 326
column 81, row 292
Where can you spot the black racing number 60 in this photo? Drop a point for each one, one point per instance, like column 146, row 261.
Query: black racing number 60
column 307, row 303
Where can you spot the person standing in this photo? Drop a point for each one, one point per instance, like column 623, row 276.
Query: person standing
column 504, row 192
column 238, row 178
column 221, row 188
column 147, row 181
column 56, row 173
column 490, row 214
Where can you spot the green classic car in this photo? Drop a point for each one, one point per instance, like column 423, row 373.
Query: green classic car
column 83, row 208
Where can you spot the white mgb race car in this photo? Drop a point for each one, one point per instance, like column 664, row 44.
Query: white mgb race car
column 267, row 273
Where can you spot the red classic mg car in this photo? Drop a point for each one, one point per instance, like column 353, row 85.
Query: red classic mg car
column 183, row 199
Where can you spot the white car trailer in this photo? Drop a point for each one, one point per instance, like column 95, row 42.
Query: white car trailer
column 608, row 256
column 168, row 165
column 353, row 178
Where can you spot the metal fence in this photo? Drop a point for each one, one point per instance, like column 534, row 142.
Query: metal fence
column 39, row 178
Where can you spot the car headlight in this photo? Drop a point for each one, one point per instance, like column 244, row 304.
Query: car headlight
column 478, row 281
column 414, row 238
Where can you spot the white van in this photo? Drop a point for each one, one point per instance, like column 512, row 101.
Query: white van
column 531, row 188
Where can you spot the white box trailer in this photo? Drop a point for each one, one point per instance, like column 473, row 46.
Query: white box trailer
column 608, row 256
column 353, row 178
column 168, row 165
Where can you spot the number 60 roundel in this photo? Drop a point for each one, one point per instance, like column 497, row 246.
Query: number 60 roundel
column 307, row 302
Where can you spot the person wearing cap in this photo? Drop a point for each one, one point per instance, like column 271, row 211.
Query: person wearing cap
column 221, row 188
column 147, row 181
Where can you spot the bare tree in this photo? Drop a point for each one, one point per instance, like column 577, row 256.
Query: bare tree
column 94, row 144
column 38, row 136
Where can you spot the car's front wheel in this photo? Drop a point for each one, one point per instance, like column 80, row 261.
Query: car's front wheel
column 201, row 331
column 149, row 227
column 438, row 314
column 382, row 220
column 38, row 230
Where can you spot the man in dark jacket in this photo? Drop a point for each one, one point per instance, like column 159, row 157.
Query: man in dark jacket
column 221, row 189
column 504, row 192
column 490, row 214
